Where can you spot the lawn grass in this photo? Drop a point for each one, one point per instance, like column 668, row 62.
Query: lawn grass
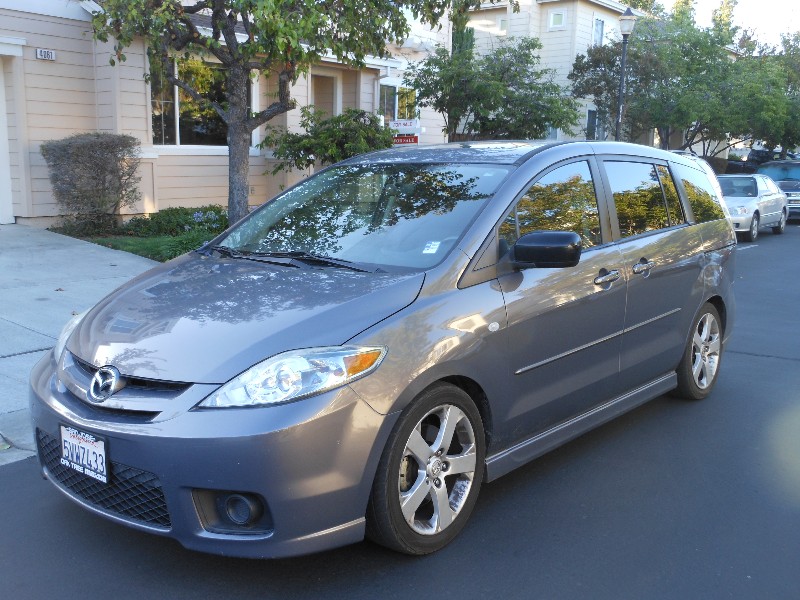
column 149, row 247
column 160, row 248
column 160, row 236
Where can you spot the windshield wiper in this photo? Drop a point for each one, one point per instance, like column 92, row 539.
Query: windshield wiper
column 319, row 259
column 255, row 256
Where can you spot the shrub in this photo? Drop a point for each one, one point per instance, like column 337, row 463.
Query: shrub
column 327, row 140
column 184, row 243
column 178, row 221
column 93, row 176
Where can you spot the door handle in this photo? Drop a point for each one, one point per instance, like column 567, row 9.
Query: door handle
column 643, row 267
column 609, row 277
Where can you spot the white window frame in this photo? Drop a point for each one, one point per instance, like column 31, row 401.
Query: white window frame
column 552, row 17
column 396, row 83
column 197, row 149
column 502, row 24
column 602, row 23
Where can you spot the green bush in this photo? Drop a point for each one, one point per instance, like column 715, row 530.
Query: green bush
column 178, row 221
column 327, row 140
column 93, row 176
column 184, row 243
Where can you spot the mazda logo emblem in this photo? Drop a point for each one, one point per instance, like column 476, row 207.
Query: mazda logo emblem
column 105, row 383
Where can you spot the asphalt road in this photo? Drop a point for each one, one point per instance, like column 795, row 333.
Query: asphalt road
column 673, row 500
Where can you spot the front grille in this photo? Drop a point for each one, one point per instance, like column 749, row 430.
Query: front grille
column 130, row 492
column 88, row 370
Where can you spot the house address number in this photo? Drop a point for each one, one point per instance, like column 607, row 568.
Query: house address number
column 44, row 54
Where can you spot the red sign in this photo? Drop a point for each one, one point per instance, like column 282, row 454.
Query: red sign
column 406, row 139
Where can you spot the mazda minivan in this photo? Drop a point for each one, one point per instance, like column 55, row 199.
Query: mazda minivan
column 359, row 355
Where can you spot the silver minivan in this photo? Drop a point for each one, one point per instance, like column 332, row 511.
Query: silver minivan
column 360, row 354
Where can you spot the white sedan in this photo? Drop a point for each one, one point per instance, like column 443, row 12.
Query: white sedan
column 754, row 201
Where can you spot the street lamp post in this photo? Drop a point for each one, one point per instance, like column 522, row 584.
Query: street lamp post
column 626, row 22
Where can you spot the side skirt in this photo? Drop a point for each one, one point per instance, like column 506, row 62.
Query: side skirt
column 503, row 462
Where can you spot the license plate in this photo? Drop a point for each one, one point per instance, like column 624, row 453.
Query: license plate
column 84, row 452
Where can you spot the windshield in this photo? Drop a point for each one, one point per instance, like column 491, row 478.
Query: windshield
column 402, row 215
column 738, row 186
column 779, row 172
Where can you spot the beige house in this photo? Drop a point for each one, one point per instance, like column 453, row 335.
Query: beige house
column 55, row 80
column 565, row 28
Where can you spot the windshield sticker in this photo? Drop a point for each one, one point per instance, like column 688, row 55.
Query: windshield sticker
column 431, row 247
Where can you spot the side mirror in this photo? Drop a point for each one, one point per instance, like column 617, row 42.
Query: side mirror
column 547, row 249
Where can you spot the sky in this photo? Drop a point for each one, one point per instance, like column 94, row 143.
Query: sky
column 768, row 18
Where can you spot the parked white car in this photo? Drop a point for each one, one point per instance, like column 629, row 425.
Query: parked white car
column 754, row 201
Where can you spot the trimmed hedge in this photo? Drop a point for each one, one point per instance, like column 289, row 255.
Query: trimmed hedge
column 93, row 176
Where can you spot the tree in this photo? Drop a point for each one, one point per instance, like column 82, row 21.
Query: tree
column 284, row 37
column 328, row 140
column 503, row 94
column 681, row 78
column 524, row 101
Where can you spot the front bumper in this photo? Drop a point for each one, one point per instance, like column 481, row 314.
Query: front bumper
column 793, row 207
column 741, row 223
column 311, row 462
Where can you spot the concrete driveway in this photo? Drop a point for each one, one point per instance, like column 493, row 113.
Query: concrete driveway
column 45, row 278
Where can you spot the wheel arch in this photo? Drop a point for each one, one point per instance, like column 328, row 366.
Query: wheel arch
column 721, row 307
column 479, row 397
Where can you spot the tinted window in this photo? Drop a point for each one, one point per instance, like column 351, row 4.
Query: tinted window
column 771, row 185
column 675, row 209
column 700, row 193
column 638, row 197
column 562, row 200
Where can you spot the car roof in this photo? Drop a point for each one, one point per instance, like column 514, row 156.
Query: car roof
column 778, row 163
column 511, row 152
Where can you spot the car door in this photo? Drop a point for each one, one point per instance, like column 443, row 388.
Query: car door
column 564, row 325
column 772, row 199
column 663, row 259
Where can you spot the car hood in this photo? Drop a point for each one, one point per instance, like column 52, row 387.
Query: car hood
column 201, row 319
column 789, row 185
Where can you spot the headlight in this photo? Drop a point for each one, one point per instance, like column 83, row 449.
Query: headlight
column 296, row 374
column 740, row 210
column 65, row 333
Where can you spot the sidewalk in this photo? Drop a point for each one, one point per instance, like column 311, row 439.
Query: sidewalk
column 45, row 278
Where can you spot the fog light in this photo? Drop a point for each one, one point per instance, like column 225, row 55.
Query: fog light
column 233, row 512
column 243, row 509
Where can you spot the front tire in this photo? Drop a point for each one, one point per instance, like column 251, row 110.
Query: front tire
column 752, row 234
column 430, row 473
column 699, row 367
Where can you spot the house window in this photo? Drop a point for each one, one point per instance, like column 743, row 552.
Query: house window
column 397, row 103
column 597, row 37
column 591, row 125
column 558, row 20
column 552, row 133
column 177, row 118
column 595, row 129
column 502, row 24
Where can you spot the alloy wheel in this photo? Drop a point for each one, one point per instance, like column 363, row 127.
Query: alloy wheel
column 437, row 469
column 706, row 346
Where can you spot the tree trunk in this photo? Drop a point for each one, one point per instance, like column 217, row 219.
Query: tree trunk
column 238, row 172
column 238, row 144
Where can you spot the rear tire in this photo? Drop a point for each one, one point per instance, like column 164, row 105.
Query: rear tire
column 781, row 227
column 699, row 367
column 430, row 473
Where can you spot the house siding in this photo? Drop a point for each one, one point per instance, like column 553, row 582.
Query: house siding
column 82, row 92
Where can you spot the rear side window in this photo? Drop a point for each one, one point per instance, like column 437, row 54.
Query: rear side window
column 562, row 200
column 700, row 193
column 640, row 199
